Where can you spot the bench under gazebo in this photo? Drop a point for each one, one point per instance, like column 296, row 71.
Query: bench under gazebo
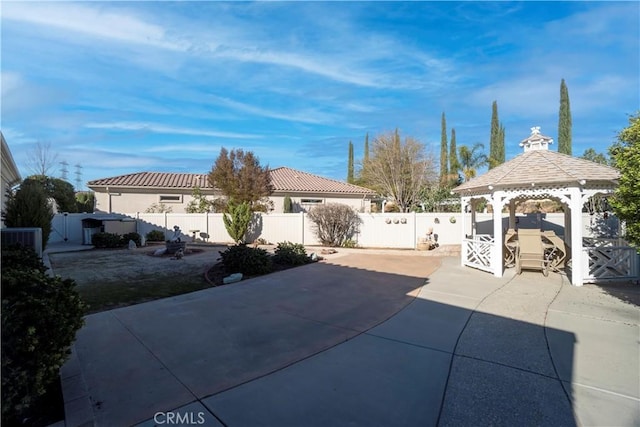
column 539, row 173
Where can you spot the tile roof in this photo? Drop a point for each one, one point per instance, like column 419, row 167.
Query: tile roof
column 154, row 180
column 287, row 179
column 283, row 180
column 540, row 167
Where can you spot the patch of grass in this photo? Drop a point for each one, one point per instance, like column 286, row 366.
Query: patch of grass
column 106, row 295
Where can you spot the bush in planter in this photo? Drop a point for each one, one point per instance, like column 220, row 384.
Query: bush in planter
column 288, row 253
column 246, row 260
column 131, row 236
column 107, row 240
column 155, row 236
column 40, row 317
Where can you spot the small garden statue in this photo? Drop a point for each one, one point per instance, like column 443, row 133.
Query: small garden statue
column 175, row 243
column 176, row 234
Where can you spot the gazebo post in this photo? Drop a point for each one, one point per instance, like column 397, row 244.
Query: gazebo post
column 512, row 214
column 463, row 247
column 567, row 224
column 496, row 259
column 473, row 218
column 576, row 236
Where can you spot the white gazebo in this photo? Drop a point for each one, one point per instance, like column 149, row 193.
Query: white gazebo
column 537, row 173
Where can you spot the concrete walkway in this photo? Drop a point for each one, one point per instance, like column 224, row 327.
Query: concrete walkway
column 364, row 340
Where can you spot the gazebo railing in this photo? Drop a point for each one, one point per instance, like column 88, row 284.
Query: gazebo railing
column 479, row 249
column 598, row 242
column 609, row 260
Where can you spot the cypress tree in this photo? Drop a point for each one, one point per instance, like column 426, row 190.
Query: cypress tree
column 500, row 156
column 444, row 161
column 564, row 121
column 366, row 148
column 287, row 205
column 350, row 165
column 494, row 138
column 454, row 165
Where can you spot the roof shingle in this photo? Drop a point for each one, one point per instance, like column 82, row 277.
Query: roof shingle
column 540, row 167
column 283, row 179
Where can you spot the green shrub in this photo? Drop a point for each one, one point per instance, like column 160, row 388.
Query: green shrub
column 131, row 236
column 349, row 244
column 237, row 220
column 40, row 318
column 29, row 207
column 288, row 253
column 246, row 260
column 287, row 205
column 155, row 236
column 107, row 240
column 18, row 256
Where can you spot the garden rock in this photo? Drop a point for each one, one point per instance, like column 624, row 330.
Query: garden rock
column 313, row 257
column 132, row 244
column 160, row 252
column 236, row 277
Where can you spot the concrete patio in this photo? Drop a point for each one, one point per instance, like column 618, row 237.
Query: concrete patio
column 364, row 340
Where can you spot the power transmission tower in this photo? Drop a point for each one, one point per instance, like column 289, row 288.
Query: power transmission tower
column 78, row 177
column 64, row 171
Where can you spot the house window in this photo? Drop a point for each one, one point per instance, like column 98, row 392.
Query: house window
column 171, row 198
column 306, row 204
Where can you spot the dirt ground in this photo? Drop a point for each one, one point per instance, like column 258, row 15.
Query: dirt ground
column 115, row 265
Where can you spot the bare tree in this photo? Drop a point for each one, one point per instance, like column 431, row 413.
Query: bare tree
column 399, row 169
column 41, row 159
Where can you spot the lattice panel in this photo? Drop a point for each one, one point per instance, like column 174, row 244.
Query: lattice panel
column 479, row 254
column 611, row 263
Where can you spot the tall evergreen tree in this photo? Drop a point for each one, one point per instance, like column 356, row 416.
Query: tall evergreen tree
column 366, row 148
column 444, row 160
column 494, row 138
column 500, row 155
column 350, row 164
column 29, row 207
column 564, row 121
column 454, row 165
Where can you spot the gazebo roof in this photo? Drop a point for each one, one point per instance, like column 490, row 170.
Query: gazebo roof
column 540, row 167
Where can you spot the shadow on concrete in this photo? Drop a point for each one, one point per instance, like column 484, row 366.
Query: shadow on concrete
column 628, row 292
column 351, row 341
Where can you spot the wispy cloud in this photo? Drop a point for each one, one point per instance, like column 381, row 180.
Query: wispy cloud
column 93, row 21
column 158, row 128
column 303, row 115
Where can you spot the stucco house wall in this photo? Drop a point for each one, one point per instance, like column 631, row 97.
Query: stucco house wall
column 302, row 202
column 10, row 176
column 138, row 192
column 123, row 200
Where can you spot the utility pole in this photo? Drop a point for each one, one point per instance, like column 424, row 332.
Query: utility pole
column 64, row 171
column 78, row 177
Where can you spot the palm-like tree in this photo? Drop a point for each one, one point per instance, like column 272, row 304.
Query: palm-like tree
column 471, row 159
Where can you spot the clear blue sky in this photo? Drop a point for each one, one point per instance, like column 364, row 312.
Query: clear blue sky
column 121, row 87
